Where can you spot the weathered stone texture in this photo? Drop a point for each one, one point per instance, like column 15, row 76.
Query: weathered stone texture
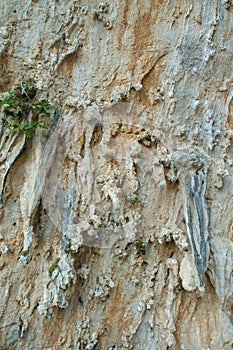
column 116, row 224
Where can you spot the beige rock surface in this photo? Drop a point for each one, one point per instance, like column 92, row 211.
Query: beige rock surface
column 116, row 223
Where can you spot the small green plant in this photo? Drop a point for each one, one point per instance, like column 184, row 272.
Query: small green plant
column 25, row 252
column 68, row 286
column 141, row 246
column 22, row 111
column 53, row 267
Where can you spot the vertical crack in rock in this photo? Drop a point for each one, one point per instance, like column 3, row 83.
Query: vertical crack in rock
column 11, row 146
column 190, row 166
column 220, row 267
column 198, row 225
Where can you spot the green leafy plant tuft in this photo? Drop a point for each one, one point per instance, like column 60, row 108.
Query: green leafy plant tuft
column 68, row 286
column 141, row 246
column 22, row 111
column 53, row 267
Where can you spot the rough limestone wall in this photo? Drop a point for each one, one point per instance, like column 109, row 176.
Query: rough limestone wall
column 116, row 224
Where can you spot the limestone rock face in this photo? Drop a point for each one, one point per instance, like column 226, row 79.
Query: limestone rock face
column 116, row 222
